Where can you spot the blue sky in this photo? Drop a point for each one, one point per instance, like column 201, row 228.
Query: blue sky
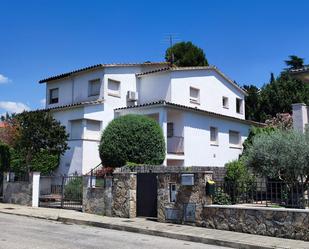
column 246, row 39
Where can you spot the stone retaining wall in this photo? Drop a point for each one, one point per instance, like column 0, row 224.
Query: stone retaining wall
column 19, row 192
column 276, row 222
column 117, row 198
column 187, row 197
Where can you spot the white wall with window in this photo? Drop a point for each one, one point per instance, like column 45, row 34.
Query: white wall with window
column 194, row 95
column 53, row 96
column 113, row 88
column 212, row 88
column 211, row 141
column 214, row 136
column 234, row 139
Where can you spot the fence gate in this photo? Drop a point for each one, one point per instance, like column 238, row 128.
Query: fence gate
column 147, row 194
column 61, row 192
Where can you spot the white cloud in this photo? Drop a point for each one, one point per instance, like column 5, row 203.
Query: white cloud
column 3, row 79
column 13, row 107
column 43, row 102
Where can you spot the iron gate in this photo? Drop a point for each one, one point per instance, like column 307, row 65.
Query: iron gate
column 61, row 192
column 147, row 194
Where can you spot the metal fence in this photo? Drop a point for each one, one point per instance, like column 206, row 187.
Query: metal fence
column 61, row 192
column 262, row 193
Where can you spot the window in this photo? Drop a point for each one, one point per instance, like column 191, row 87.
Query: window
column 170, row 129
column 239, row 105
column 76, row 129
column 172, row 192
column 194, row 95
column 113, row 88
column 225, row 102
column 213, row 135
column 234, row 138
column 53, row 96
column 94, row 87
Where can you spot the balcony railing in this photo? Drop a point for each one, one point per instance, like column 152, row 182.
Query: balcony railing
column 175, row 145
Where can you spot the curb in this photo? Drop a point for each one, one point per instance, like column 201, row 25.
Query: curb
column 189, row 238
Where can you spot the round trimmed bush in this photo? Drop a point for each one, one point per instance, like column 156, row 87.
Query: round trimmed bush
column 132, row 139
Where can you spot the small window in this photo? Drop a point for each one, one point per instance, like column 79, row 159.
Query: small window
column 76, row 129
column 113, row 88
column 194, row 95
column 234, row 138
column 94, row 87
column 213, row 135
column 225, row 102
column 173, row 192
column 93, row 125
column 53, row 96
column 239, row 108
column 170, row 129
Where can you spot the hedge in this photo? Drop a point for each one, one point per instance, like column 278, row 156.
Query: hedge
column 132, row 139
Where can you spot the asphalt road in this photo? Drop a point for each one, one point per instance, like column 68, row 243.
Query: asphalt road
column 18, row 232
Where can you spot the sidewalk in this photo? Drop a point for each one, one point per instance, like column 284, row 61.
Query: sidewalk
column 140, row 225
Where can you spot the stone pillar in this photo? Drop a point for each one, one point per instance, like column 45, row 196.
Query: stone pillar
column 300, row 116
column 35, row 189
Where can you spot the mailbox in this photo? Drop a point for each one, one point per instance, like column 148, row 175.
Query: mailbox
column 210, row 187
column 187, row 179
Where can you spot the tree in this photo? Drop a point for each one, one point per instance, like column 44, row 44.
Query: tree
column 278, row 96
column 132, row 138
column 40, row 143
column 186, row 54
column 280, row 155
column 294, row 62
column 252, row 102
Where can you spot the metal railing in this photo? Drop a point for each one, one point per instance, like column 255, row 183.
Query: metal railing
column 175, row 145
column 262, row 193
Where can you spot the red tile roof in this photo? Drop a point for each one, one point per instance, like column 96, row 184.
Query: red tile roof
column 170, row 104
column 93, row 67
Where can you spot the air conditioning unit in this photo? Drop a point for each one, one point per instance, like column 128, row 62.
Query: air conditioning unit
column 132, row 96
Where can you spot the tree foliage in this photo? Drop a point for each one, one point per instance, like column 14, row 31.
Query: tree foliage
column 132, row 138
column 185, row 54
column 280, row 155
column 294, row 62
column 278, row 95
column 36, row 142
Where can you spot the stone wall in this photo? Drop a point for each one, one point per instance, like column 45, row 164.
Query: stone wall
column 97, row 200
column 124, row 195
column 19, row 192
column 117, row 198
column 276, row 222
column 187, row 197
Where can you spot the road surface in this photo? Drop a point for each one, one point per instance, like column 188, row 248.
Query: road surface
column 17, row 232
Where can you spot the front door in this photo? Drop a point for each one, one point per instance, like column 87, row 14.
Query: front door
column 147, row 195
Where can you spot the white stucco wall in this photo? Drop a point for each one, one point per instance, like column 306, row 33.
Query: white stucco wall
column 154, row 87
column 212, row 88
column 197, row 146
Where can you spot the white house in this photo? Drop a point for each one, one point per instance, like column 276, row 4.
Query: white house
column 200, row 110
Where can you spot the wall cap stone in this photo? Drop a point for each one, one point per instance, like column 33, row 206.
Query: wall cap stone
column 259, row 208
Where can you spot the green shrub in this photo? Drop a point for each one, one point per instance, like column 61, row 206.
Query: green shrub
column 73, row 190
column 221, row 198
column 132, row 138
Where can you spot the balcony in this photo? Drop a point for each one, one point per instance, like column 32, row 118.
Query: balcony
column 175, row 145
